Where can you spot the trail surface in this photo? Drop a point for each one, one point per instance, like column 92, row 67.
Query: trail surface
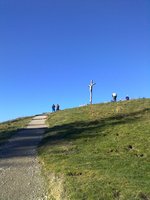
column 20, row 172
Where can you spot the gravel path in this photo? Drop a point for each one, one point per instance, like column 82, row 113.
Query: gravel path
column 20, row 172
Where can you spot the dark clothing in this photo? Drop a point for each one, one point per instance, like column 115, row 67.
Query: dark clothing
column 53, row 108
column 57, row 107
column 114, row 96
column 127, row 98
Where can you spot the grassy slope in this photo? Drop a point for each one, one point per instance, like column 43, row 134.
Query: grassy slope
column 8, row 128
column 99, row 152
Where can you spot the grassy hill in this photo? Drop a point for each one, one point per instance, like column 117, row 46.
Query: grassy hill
column 8, row 128
column 98, row 152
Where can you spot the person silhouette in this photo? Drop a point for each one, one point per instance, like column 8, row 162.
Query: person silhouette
column 53, row 108
column 114, row 96
column 57, row 107
column 127, row 98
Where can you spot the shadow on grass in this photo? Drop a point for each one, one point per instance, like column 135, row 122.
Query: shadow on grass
column 87, row 129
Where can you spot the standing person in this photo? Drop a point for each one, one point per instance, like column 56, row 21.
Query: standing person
column 114, row 96
column 53, row 108
column 57, row 107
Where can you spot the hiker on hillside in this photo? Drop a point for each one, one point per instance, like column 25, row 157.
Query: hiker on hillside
column 114, row 96
column 53, row 108
column 127, row 98
column 57, row 107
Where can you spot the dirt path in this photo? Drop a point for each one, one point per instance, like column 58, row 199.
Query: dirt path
column 20, row 173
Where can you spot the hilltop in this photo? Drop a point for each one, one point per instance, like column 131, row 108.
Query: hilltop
column 98, row 151
column 95, row 152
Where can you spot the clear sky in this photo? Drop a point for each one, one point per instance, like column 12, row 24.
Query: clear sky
column 51, row 49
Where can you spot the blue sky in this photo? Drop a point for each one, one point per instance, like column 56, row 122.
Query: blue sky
column 50, row 50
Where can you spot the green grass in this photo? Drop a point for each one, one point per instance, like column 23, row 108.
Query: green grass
column 8, row 128
column 98, row 152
